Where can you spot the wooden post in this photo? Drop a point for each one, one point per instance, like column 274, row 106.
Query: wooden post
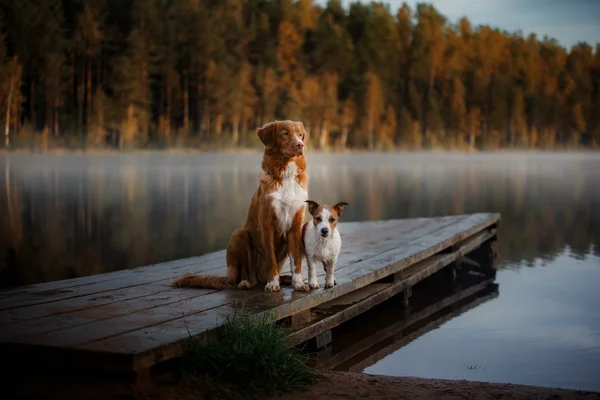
column 485, row 255
column 323, row 340
column 405, row 296
column 143, row 379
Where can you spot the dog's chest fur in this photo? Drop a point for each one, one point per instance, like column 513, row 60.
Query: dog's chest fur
column 319, row 248
column 288, row 198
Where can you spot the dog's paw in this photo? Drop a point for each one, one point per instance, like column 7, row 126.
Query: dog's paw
column 302, row 288
column 298, row 283
column 313, row 285
column 329, row 283
column 272, row 286
column 243, row 285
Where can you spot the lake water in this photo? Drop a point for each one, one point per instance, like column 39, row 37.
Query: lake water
column 74, row 215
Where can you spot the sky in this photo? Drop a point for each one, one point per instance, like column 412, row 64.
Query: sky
column 569, row 22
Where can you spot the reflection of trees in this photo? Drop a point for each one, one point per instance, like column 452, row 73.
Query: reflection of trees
column 74, row 216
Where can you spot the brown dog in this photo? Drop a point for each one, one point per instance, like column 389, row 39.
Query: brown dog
column 273, row 229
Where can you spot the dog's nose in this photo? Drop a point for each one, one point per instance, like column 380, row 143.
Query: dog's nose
column 324, row 231
column 300, row 145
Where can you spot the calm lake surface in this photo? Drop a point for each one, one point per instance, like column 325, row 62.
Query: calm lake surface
column 73, row 215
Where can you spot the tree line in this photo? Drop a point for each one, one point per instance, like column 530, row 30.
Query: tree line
column 193, row 73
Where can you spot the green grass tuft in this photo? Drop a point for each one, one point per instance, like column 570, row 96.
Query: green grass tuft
column 250, row 357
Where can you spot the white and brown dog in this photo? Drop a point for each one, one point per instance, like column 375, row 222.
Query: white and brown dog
column 321, row 241
column 273, row 230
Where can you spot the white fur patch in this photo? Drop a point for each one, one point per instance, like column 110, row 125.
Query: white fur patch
column 288, row 198
column 325, row 221
column 297, row 282
column 273, row 285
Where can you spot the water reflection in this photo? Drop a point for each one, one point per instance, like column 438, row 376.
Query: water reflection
column 69, row 216
column 370, row 337
column 543, row 330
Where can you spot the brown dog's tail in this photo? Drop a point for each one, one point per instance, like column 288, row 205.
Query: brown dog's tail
column 200, row 281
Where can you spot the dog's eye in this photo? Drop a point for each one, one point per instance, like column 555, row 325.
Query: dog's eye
column 332, row 220
column 318, row 219
column 284, row 133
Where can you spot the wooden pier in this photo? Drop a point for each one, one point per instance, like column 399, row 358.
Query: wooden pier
column 131, row 320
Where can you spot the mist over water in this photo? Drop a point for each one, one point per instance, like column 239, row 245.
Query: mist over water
column 64, row 216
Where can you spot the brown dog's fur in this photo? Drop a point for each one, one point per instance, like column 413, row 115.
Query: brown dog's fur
column 256, row 252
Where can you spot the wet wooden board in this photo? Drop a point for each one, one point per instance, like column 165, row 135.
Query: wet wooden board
column 135, row 314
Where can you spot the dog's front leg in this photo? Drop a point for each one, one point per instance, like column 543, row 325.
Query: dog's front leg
column 295, row 249
column 272, row 266
column 313, row 283
column 329, row 272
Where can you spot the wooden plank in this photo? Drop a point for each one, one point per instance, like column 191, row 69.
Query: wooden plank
column 105, row 328
column 66, row 320
column 354, row 297
column 405, row 339
column 133, row 279
column 104, row 277
column 385, row 332
column 169, row 337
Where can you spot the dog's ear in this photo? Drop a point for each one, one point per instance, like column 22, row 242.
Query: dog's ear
column 266, row 133
column 339, row 208
column 313, row 206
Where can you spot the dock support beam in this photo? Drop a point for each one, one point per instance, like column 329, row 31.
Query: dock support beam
column 143, row 379
column 323, row 340
column 405, row 296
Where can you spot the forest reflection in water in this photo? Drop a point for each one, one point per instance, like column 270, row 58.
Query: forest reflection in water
column 65, row 216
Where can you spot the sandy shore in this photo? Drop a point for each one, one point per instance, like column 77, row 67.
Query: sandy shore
column 354, row 386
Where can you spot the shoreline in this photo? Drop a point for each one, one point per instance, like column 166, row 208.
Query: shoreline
column 330, row 385
column 242, row 150
column 359, row 386
column 355, row 386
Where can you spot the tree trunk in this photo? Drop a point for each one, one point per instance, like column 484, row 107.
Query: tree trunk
column 168, row 113
column 32, row 105
column 205, row 126
column 219, row 123
column 244, row 124
column 235, row 127
column 324, row 137
column 80, row 95
column 186, row 104
column 11, row 87
column 48, row 117
column 370, row 130
column 55, row 109
column 344, row 137
column 88, row 94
